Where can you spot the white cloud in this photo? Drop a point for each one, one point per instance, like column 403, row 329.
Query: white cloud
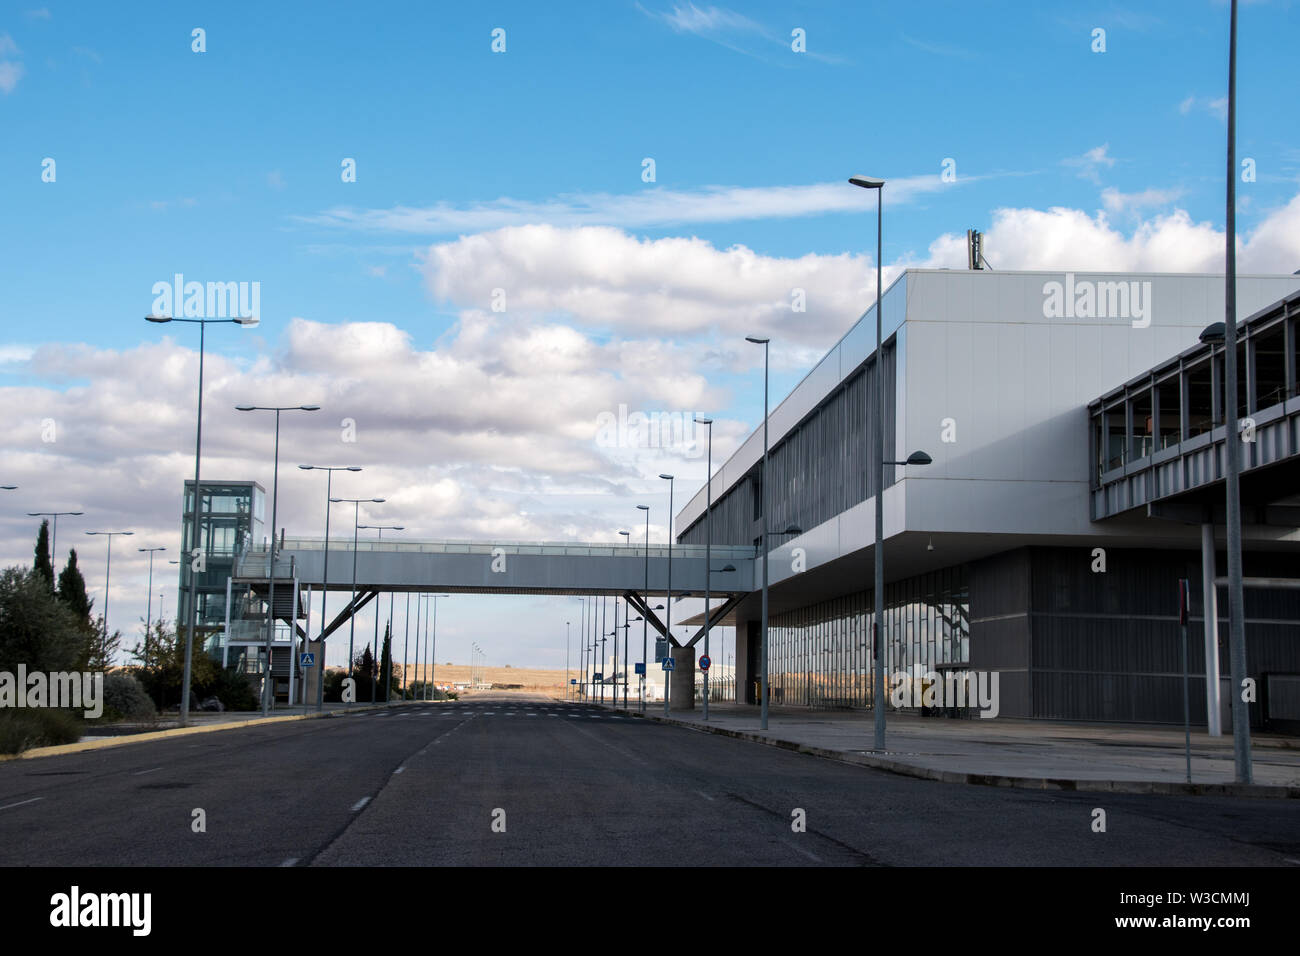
column 1116, row 201
column 1215, row 106
column 651, row 207
column 7, row 46
column 1090, row 162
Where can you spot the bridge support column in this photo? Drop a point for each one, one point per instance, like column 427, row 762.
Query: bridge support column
column 311, row 676
column 683, row 678
column 1211, row 614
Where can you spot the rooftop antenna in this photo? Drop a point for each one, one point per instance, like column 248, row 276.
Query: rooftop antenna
column 975, row 250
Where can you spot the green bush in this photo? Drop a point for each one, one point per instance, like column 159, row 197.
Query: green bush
column 229, row 686
column 125, row 699
column 334, row 685
column 24, row 728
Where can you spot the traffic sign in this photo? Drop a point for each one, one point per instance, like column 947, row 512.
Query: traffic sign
column 669, row 663
column 640, row 667
column 573, row 680
column 661, row 648
column 308, row 659
column 705, row 662
column 598, row 677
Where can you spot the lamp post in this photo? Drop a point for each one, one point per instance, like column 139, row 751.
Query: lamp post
column 668, row 614
column 267, row 691
column 708, row 551
column 406, row 643
column 381, row 528
column 352, row 617
column 148, row 614
column 325, row 573
column 627, row 538
column 192, row 610
column 432, row 656
column 108, row 568
column 1231, row 443
column 762, row 653
column 54, row 529
column 916, row 458
column 645, row 661
column 566, row 660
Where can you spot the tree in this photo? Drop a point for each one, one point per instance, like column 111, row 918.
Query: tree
column 162, row 664
column 44, row 566
column 101, row 647
column 72, row 589
column 386, row 664
column 364, row 667
column 35, row 629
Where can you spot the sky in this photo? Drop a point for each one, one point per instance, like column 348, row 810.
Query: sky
column 474, row 230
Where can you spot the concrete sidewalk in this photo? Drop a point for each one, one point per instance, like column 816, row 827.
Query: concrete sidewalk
column 1043, row 755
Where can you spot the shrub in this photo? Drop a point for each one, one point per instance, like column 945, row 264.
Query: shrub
column 21, row 729
column 125, row 699
column 229, row 686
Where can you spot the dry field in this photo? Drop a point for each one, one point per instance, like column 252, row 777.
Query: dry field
column 536, row 680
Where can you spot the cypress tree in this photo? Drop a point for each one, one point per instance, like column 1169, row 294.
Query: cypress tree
column 44, row 566
column 72, row 590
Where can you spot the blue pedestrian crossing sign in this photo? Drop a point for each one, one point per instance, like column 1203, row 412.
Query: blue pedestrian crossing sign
column 640, row 667
column 669, row 663
column 307, row 660
column 573, row 680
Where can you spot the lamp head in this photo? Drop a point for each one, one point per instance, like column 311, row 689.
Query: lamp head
column 867, row 182
column 247, row 321
column 919, row 458
column 158, row 318
column 757, row 340
column 1214, row 333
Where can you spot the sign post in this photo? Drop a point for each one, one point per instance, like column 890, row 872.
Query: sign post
column 1187, row 720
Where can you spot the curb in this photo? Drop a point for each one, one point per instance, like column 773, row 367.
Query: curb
column 82, row 747
column 1162, row 787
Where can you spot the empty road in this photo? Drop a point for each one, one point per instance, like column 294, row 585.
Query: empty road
column 519, row 780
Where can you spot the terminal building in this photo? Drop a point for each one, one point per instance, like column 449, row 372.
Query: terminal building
column 1076, row 423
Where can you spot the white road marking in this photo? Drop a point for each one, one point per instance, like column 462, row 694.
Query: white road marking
column 140, row 773
column 798, row 849
column 360, row 803
column 704, row 795
column 290, row 862
column 398, row 770
column 20, row 803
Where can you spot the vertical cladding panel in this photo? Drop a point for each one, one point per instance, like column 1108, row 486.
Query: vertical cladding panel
column 819, row 470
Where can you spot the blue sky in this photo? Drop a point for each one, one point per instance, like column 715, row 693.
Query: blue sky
column 225, row 165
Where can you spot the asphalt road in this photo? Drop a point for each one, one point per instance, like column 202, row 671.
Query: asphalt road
column 529, row 781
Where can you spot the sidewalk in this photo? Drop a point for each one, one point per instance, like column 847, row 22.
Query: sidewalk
column 1006, row 752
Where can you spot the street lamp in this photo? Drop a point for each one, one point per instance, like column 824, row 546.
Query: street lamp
column 762, row 654
column 708, row 552
column 645, row 665
column 325, row 576
column 108, row 568
column 432, row 656
column 267, row 691
column 54, row 530
column 381, row 528
column 247, row 322
column 352, row 616
column 668, row 614
column 148, row 614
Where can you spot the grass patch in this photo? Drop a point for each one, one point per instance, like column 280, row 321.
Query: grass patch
column 24, row 728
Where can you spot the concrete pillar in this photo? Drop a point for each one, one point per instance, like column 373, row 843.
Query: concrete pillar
column 311, row 677
column 1211, row 603
column 683, row 677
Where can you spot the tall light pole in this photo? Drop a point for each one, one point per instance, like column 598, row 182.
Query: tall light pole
column 762, row 654
column 248, row 322
column 878, row 686
column 645, row 594
column 668, row 613
column 708, row 552
column 325, row 573
column 1227, row 335
column 148, row 614
column 433, row 654
column 267, row 691
column 54, row 529
column 566, row 660
column 352, row 617
column 381, row 528
column 406, row 643
column 108, row 568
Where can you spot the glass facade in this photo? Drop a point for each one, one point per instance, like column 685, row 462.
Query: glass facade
column 231, row 518
column 820, row 656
